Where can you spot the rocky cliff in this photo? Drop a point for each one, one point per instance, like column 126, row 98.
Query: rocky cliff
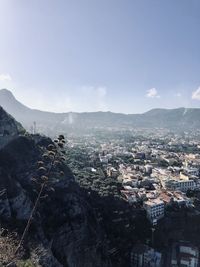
column 9, row 128
column 64, row 230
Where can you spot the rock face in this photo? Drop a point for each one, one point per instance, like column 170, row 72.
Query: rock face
column 64, row 230
column 9, row 128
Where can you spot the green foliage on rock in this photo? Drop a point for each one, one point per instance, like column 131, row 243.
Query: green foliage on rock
column 26, row 263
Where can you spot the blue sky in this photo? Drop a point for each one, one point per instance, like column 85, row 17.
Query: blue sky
column 87, row 55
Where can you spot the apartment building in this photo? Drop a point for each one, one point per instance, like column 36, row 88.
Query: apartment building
column 155, row 209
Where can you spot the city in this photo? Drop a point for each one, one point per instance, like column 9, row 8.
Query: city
column 157, row 172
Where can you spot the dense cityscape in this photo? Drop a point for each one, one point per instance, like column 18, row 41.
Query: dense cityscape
column 155, row 171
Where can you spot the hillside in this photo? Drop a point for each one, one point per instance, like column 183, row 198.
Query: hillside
column 72, row 226
column 64, row 230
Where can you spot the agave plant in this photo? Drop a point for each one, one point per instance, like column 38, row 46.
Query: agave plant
column 53, row 157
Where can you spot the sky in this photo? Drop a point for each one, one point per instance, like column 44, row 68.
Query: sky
column 124, row 56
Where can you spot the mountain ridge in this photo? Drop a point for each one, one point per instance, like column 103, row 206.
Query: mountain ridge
column 10, row 94
column 51, row 122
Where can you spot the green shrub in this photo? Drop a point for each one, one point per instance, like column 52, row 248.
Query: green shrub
column 26, row 263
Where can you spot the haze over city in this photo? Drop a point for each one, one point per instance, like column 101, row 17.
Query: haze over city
column 99, row 133
column 121, row 56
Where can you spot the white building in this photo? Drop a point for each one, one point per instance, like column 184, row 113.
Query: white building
column 155, row 209
column 103, row 159
column 181, row 185
column 112, row 172
column 131, row 196
column 191, row 171
column 185, row 255
column 144, row 256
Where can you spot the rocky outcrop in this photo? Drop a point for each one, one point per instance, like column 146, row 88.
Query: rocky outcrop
column 9, row 128
column 72, row 226
column 64, row 230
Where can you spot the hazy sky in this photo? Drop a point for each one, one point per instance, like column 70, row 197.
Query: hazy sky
column 88, row 55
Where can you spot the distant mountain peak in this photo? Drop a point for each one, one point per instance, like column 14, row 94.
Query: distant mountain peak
column 6, row 92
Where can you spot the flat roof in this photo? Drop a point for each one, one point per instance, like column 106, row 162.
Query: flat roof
column 153, row 202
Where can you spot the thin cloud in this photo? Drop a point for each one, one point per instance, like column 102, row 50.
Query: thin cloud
column 196, row 94
column 152, row 93
column 5, row 77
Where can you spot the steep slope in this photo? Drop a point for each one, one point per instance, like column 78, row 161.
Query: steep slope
column 9, row 128
column 24, row 114
column 12, row 104
column 64, row 230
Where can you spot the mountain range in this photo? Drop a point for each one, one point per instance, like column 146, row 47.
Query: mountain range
column 51, row 123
